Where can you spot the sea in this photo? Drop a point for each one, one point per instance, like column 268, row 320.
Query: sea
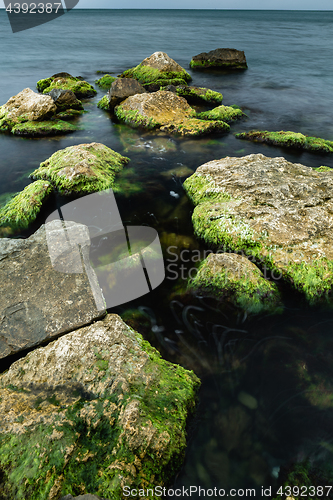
column 266, row 399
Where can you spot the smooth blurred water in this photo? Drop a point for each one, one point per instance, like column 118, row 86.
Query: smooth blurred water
column 283, row 362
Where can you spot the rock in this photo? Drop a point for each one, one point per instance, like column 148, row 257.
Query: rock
column 160, row 69
column 29, row 113
column 104, row 103
column 23, row 208
column 123, row 88
column 65, row 99
column 105, row 81
column 65, row 81
column 37, row 302
column 199, row 95
column 96, row 410
column 289, row 140
column 165, row 111
column 226, row 114
column 81, row 169
column 220, row 59
column 278, row 212
column 233, row 278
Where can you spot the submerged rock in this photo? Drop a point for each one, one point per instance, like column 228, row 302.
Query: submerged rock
column 224, row 113
column 33, row 115
column 23, row 208
column 233, row 278
column 160, row 69
column 66, row 81
column 197, row 95
column 96, row 410
column 81, row 169
column 123, row 88
column 220, row 59
column 278, row 212
column 36, row 301
column 165, row 111
column 289, row 140
column 105, row 81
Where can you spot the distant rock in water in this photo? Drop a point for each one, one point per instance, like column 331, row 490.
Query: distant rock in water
column 123, row 88
column 95, row 411
column 199, row 95
column 278, row 212
column 165, row 111
column 158, row 69
column 226, row 59
column 36, row 301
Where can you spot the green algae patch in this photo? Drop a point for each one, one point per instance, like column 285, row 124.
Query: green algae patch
column 147, row 75
column 44, row 128
column 225, row 114
column 104, row 103
column 135, row 119
column 289, row 140
column 192, row 127
column 108, row 424
column 69, row 114
column 314, row 280
column 105, row 81
column 323, row 168
column 80, row 88
column 23, row 208
column 199, row 95
column 85, row 168
column 233, row 278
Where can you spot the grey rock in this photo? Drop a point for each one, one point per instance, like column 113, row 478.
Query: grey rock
column 123, row 88
column 220, row 59
column 65, row 99
column 38, row 302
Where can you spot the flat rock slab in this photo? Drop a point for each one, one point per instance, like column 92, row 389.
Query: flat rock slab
column 94, row 411
column 280, row 213
column 37, row 302
column 220, row 59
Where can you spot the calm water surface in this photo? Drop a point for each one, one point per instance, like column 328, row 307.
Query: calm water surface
column 266, row 398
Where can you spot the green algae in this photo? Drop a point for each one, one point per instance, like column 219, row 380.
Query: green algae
column 323, row 168
column 23, row 208
column 69, row 114
column 134, row 118
column 105, row 81
column 289, row 139
column 80, row 88
column 200, row 94
column 147, row 75
column 224, row 113
column 44, row 128
column 81, row 169
column 250, row 291
column 104, row 103
column 93, row 454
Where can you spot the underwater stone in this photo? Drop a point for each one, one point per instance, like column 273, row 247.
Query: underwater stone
column 85, row 168
column 37, row 302
column 277, row 212
column 229, row 59
column 96, row 410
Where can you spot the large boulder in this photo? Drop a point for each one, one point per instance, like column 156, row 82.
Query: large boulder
column 95, row 411
column 233, row 279
column 31, row 114
column 81, row 169
column 123, row 88
column 38, row 302
column 165, row 111
column 278, row 212
column 158, row 69
column 220, row 59
column 65, row 81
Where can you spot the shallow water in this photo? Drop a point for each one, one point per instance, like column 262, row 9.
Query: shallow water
column 266, row 395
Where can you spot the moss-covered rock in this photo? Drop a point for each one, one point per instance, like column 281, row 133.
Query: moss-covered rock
column 105, row 81
column 104, row 103
column 66, row 81
column 65, row 99
column 68, row 114
column 278, row 212
column 95, row 411
column 289, row 140
column 197, row 95
column 165, row 111
column 85, row 168
column 158, row 68
column 44, row 128
column 222, row 113
column 23, row 208
column 225, row 59
column 233, row 278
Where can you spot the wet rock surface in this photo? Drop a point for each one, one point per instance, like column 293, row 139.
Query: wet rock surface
column 37, row 302
column 65, row 99
column 65, row 81
column 123, row 88
column 199, row 95
column 166, row 111
column 97, row 410
column 220, row 59
column 278, row 212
